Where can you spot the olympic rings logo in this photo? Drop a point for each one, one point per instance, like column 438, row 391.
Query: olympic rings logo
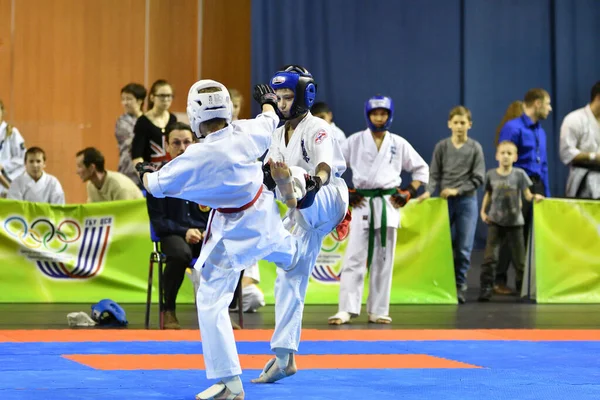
column 42, row 232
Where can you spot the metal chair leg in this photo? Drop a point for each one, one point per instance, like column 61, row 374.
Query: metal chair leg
column 161, row 310
column 240, row 302
column 149, row 293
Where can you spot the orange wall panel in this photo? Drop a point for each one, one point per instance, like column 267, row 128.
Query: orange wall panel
column 71, row 59
column 61, row 76
column 226, row 40
column 173, row 46
column 5, row 55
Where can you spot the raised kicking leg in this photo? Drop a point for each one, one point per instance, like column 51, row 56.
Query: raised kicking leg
column 283, row 178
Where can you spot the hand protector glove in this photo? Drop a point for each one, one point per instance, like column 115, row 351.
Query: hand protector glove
column 144, row 168
column 355, row 198
column 402, row 196
column 313, row 185
column 264, row 94
column 268, row 180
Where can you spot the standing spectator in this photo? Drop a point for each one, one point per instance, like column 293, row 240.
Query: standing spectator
column 35, row 185
column 103, row 185
column 148, row 143
column 237, row 100
column 580, row 146
column 321, row 110
column 12, row 153
column 514, row 110
column 132, row 100
column 252, row 297
column 527, row 134
column 504, row 187
column 458, row 169
column 180, row 225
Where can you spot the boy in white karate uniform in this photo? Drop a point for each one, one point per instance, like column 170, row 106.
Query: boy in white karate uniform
column 12, row 153
column 223, row 173
column 307, row 142
column 34, row 184
column 377, row 157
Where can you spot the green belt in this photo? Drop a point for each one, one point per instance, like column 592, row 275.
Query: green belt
column 371, row 194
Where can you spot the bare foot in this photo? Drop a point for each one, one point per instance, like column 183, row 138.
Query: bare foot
column 283, row 178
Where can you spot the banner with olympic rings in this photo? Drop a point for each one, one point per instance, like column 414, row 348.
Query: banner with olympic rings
column 423, row 263
column 76, row 253
column 84, row 253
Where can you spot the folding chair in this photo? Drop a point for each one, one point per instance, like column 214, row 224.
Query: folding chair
column 158, row 258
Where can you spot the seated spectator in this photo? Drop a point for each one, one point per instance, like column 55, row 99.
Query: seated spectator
column 322, row 110
column 237, row 99
column 179, row 224
column 35, row 185
column 104, row 185
column 252, row 297
column 12, row 153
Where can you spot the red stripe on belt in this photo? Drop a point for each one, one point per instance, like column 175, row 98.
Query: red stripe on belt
column 244, row 207
column 229, row 211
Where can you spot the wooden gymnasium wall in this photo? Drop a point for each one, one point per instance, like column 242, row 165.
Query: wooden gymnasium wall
column 63, row 63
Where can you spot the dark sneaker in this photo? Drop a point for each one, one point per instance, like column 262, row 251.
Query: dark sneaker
column 485, row 294
column 502, row 289
column 171, row 321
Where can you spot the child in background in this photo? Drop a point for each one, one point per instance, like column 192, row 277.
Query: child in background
column 503, row 188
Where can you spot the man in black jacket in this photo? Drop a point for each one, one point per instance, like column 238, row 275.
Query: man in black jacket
column 179, row 224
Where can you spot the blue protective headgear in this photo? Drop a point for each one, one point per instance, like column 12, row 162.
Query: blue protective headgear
column 107, row 312
column 383, row 102
column 301, row 82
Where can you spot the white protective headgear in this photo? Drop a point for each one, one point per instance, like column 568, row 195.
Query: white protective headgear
column 202, row 107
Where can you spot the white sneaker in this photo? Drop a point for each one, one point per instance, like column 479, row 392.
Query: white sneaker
column 219, row 391
column 379, row 319
column 340, row 318
column 272, row 373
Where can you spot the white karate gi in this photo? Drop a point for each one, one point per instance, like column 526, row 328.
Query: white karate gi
column 46, row 190
column 375, row 169
column 223, row 172
column 311, row 144
column 580, row 132
column 12, row 153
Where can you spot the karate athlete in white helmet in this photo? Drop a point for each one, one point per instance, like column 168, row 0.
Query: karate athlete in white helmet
column 223, row 173
column 377, row 157
column 307, row 142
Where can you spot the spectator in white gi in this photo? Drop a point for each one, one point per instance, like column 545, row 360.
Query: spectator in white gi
column 34, row 184
column 12, row 153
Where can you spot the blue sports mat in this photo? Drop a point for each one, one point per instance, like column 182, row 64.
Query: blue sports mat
column 510, row 370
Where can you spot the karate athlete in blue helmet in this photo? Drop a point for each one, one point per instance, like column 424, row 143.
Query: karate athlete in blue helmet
column 307, row 142
column 376, row 157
